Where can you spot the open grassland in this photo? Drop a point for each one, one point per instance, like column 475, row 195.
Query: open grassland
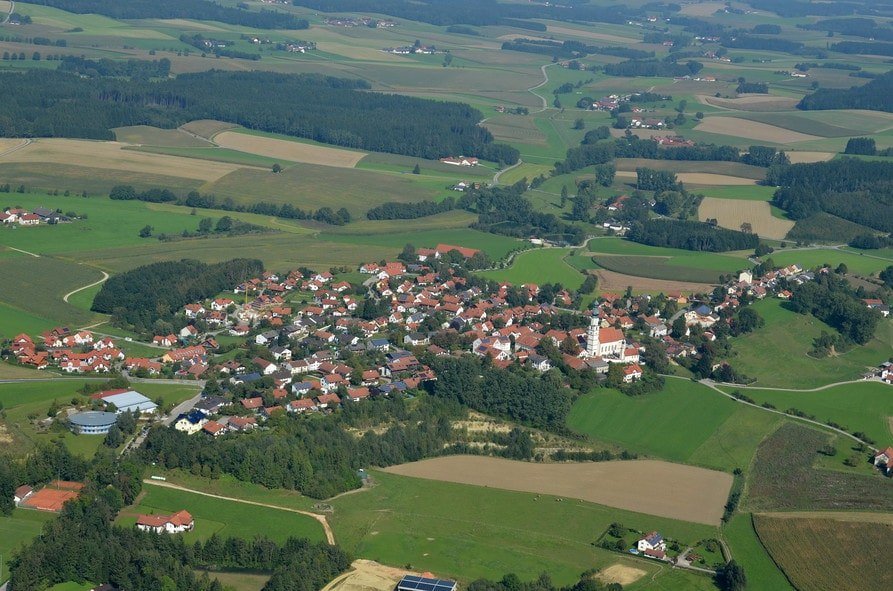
column 214, row 153
column 223, row 517
column 288, row 150
column 493, row 244
column 839, row 547
column 732, row 213
column 830, row 123
column 77, row 179
column 679, row 258
column 783, row 477
column 698, row 178
column 762, row 572
column 468, row 532
column 13, row 321
column 397, row 163
column 146, row 135
column 692, row 494
column 16, row 530
column 863, row 406
column 777, row 354
column 754, row 130
column 863, row 263
column 539, row 266
column 684, row 422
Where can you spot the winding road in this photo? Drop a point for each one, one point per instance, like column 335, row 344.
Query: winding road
column 105, row 277
column 12, row 7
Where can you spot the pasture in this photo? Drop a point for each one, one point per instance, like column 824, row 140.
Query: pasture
column 223, row 517
column 493, row 244
column 753, row 193
column 736, row 170
column 839, row 546
column 539, row 266
column 291, row 151
column 18, row 529
column 699, row 178
column 657, row 268
column 691, row 494
column 732, row 213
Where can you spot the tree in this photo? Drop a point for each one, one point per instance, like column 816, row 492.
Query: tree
column 205, row 225
column 276, row 168
column 36, row 56
column 146, row 231
column 224, row 224
column 563, row 196
column 417, row 169
column 678, row 329
column 748, row 320
column 730, row 577
column 114, row 437
column 579, row 124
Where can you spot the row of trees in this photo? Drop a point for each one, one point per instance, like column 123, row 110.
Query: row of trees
column 653, row 68
column 409, row 211
column 572, row 49
column 132, row 68
column 690, row 235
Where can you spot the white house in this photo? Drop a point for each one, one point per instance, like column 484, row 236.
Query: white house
column 651, row 541
column 179, row 522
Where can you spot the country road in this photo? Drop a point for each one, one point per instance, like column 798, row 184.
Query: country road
column 330, row 535
column 105, row 277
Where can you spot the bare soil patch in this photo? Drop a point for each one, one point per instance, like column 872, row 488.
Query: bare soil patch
column 754, row 130
column 619, row 573
column 686, row 492
column 809, row 157
column 110, row 155
column 699, row 178
column 288, row 150
column 731, row 213
column 367, row 575
column 206, row 128
column 751, row 102
column 618, row 282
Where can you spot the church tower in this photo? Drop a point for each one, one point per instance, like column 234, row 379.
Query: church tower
column 592, row 342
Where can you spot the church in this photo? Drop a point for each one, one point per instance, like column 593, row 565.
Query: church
column 603, row 342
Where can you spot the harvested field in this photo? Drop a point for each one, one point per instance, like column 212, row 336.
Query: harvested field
column 590, row 34
column 145, row 135
column 842, row 550
column 288, row 150
column 690, row 494
column 110, row 155
column 756, row 102
column 618, row 282
column 699, row 178
column 7, row 144
column 206, row 128
column 731, row 213
column 657, row 267
column 702, row 8
column 754, row 130
column 367, row 575
column 618, row 573
column 809, row 157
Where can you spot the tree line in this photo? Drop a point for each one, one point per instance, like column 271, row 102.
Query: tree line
column 571, row 49
column 653, row 68
column 690, row 235
column 409, row 211
column 131, row 68
column 875, row 95
column 337, row 111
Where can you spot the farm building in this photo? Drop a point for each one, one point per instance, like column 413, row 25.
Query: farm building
column 417, row 583
column 92, row 422
column 171, row 524
column 128, row 401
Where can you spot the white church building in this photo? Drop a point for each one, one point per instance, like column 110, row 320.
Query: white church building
column 606, row 343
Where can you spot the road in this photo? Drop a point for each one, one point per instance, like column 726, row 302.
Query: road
column 105, row 277
column 330, row 535
column 182, row 408
column 12, row 8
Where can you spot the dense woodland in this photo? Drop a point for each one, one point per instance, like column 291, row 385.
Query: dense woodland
column 131, row 68
column 874, row 95
column 571, row 49
column 141, row 296
column 336, row 111
column 833, row 301
column 691, row 235
column 650, row 68
column 204, row 10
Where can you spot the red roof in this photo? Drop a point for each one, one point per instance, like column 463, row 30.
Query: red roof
column 466, row 252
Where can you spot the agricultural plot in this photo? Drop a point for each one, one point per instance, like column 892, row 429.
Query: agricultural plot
column 798, row 157
column 832, row 123
column 614, row 282
column 539, row 266
column 856, row 262
column 731, row 169
column 146, row 135
column 93, row 181
column 839, row 546
column 698, row 178
column 691, row 494
column 733, row 213
column 754, row 130
column 657, row 268
column 206, row 128
column 762, row 573
column 493, row 244
column 291, row 151
column 754, row 102
column 749, row 192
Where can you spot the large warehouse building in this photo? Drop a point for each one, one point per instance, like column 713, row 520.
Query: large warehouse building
column 128, row 401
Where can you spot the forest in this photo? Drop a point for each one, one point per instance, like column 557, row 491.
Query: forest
column 650, row 68
column 409, row 211
column 131, row 68
column 690, row 235
column 571, row 49
column 833, row 301
column 45, row 103
column 204, row 10
column 141, row 296
column 874, row 95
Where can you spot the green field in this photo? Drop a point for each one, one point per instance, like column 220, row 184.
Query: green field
column 16, row 530
column 808, row 259
column 493, row 244
column 761, row 571
column 746, row 192
column 656, row 267
column 154, row 136
column 225, row 518
column 678, row 257
column 776, row 354
column 540, row 266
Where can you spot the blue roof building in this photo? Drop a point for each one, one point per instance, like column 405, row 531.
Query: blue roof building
column 92, row 422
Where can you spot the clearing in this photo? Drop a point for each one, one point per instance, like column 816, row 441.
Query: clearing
column 732, row 213
column 621, row 574
column 288, row 150
column 754, row 130
column 698, row 178
column 690, row 494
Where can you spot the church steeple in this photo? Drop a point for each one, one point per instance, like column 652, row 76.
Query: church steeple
column 592, row 340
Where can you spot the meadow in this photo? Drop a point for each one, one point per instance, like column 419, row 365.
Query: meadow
column 749, row 552
column 655, row 268
column 17, row 530
column 539, row 266
column 493, row 244
column 856, row 263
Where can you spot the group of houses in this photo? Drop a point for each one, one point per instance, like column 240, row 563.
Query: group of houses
column 69, row 351
column 361, row 21
column 39, row 215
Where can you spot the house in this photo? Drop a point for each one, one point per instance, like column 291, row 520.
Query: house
column 191, row 422
column 302, row 405
column 179, row 522
column 214, row 429
column 164, row 340
column 652, row 541
column 884, row 460
column 22, row 493
column 188, row 332
column 29, row 219
column 442, row 249
column 241, row 423
column 631, row 373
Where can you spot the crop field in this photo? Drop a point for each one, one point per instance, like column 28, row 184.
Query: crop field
column 797, row 157
column 469, row 532
column 223, row 517
column 288, row 150
column 762, row 573
column 749, row 192
column 146, row 135
column 13, row 321
column 206, row 128
column 699, row 178
column 17, row 530
column 656, row 268
column 610, row 281
column 732, row 213
column 783, row 477
column 776, row 354
column 762, row 102
column 831, row 123
column 730, row 169
column 838, row 546
column 691, row 494
column 77, row 179
column 753, row 130
column 539, row 266
column 684, row 422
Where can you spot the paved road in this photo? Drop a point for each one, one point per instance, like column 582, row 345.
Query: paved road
column 105, row 277
column 182, row 408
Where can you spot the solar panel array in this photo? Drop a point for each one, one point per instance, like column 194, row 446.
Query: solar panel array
column 414, row 583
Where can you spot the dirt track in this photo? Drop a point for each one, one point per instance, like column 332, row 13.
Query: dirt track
column 647, row 486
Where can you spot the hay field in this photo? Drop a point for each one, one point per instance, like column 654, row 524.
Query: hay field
column 731, row 213
column 612, row 281
column 10, row 144
column 206, row 128
column 699, row 178
column 688, row 493
column 588, row 34
column 94, row 154
column 753, row 130
column 809, row 157
column 838, row 555
column 288, row 150
column 146, row 135
column 755, row 102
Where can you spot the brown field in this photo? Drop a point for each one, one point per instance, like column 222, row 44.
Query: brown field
column 10, row 144
column 206, row 128
column 809, row 157
column 828, row 555
column 699, row 178
column 753, row 130
column 145, row 135
column 751, row 102
column 612, row 281
column 702, row 8
column 688, row 493
column 110, row 155
column 367, row 575
column 731, row 213
column 288, row 150
column 618, row 573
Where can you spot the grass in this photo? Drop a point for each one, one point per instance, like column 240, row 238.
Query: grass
column 746, row 192
column 17, row 530
column 493, row 244
column 856, row 263
column 225, row 518
column 656, row 268
column 826, row 228
column 154, row 136
column 469, row 532
column 540, row 266
column 13, row 321
column 206, row 152
column 735, row 169
column 761, row 571
column 776, row 355
column 239, row 581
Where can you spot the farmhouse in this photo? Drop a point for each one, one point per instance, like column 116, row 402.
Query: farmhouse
column 884, row 460
column 179, row 522
column 460, row 161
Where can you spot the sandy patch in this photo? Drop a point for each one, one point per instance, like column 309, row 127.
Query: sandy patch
column 809, row 157
column 731, row 213
column 367, row 575
column 751, row 102
column 613, row 281
column 687, row 493
column 702, row 8
column 110, row 155
column 752, row 130
column 698, row 178
column 618, row 573
column 288, row 150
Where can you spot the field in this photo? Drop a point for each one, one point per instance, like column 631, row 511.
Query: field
column 655, row 267
column 225, row 518
column 840, row 547
column 493, row 244
column 777, row 354
column 809, row 157
column 732, row 213
column 748, row 551
column 539, row 266
column 758, row 102
column 861, row 263
column 146, row 135
column 609, row 281
column 735, row 170
column 691, row 494
column 753, row 130
column 16, row 530
column 699, row 178
column 291, row 151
